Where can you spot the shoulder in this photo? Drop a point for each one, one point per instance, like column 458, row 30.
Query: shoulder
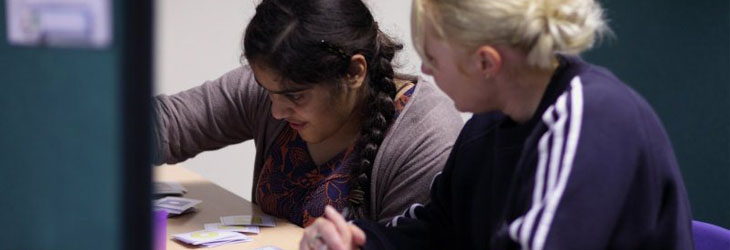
column 429, row 107
column 425, row 129
column 429, row 114
column 606, row 111
column 606, row 99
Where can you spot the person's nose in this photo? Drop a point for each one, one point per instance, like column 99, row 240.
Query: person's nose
column 279, row 109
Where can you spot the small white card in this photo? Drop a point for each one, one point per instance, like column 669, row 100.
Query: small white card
column 240, row 229
column 207, row 236
column 269, row 248
column 248, row 220
column 176, row 203
column 168, row 188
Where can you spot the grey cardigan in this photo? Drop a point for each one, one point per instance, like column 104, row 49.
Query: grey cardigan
column 233, row 109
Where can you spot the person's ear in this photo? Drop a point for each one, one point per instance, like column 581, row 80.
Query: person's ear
column 488, row 60
column 357, row 71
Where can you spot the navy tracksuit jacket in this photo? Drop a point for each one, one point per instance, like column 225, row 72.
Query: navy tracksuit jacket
column 593, row 169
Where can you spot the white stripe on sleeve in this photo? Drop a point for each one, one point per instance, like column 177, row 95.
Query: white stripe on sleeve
column 553, row 199
column 553, row 167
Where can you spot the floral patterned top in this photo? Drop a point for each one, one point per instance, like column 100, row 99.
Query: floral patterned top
column 293, row 187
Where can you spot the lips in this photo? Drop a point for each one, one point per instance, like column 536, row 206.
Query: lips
column 297, row 125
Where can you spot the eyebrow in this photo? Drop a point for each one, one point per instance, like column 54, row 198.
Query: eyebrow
column 281, row 92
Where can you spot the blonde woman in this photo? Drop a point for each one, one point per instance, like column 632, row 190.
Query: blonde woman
column 560, row 154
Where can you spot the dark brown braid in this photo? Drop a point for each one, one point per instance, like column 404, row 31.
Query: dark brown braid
column 377, row 116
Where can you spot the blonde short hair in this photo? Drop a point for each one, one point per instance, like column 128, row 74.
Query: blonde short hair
column 541, row 28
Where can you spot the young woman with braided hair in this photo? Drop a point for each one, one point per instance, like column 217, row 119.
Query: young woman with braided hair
column 332, row 122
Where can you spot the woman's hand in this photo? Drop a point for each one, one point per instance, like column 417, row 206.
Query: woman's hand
column 331, row 231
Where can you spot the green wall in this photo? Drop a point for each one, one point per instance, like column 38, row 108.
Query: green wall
column 677, row 55
column 64, row 152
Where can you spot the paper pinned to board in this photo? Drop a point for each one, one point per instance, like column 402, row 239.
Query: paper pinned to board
column 59, row 23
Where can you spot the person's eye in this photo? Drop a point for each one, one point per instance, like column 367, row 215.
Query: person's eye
column 294, row 97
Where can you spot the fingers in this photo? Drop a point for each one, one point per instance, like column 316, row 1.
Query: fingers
column 332, row 215
column 302, row 243
column 320, row 235
column 330, row 235
column 331, row 231
column 308, row 234
column 358, row 236
column 352, row 234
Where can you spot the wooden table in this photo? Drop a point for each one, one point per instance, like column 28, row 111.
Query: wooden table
column 219, row 202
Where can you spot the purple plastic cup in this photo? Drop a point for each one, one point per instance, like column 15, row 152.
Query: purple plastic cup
column 160, row 233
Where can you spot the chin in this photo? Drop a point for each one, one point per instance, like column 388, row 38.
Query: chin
column 309, row 138
column 464, row 108
column 461, row 109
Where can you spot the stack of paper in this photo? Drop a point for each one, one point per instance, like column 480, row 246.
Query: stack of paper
column 211, row 238
column 240, row 229
column 248, row 220
column 164, row 188
column 176, row 205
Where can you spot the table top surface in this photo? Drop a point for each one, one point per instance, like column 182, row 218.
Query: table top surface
column 219, row 202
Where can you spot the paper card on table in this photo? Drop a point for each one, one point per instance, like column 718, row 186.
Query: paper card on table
column 248, row 220
column 206, row 236
column 176, row 203
column 232, row 240
column 169, row 187
column 174, row 212
column 269, row 248
column 240, row 229
column 226, row 242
